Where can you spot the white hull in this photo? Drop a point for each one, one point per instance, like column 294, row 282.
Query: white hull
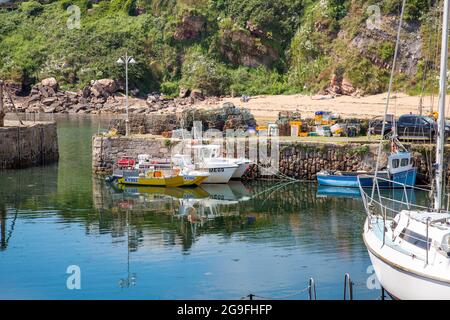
column 405, row 277
column 218, row 174
column 242, row 168
column 219, row 171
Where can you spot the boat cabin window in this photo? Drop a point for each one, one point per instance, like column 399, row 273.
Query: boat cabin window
column 404, row 162
column 415, row 239
column 395, row 163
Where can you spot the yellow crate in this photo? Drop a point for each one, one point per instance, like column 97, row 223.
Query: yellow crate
column 303, row 134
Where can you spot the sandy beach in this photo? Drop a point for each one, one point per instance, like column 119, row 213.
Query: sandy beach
column 266, row 108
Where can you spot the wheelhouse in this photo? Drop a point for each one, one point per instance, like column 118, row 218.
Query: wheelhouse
column 399, row 162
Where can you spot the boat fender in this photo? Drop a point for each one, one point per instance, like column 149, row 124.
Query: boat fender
column 157, row 174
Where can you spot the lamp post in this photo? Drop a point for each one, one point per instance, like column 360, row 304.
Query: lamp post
column 2, row 111
column 126, row 59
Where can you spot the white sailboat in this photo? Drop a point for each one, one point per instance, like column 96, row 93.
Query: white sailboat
column 409, row 245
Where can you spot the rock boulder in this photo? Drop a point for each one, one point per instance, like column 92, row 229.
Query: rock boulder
column 50, row 82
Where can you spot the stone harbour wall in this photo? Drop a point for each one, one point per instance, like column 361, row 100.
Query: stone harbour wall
column 299, row 160
column 106, row 150
column 29, row 145
column 304, row 160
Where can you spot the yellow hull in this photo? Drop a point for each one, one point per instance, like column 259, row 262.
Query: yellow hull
column 175, row 181
column 194, row 182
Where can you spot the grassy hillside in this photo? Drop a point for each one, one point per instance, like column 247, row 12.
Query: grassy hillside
column 219, row 46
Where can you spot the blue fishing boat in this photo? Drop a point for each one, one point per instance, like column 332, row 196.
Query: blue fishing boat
column 400, row 172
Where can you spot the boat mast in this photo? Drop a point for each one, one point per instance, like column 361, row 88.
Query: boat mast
column 441, row 120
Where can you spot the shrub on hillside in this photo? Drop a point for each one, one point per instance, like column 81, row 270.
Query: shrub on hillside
column 170, row 88
column 199, row 71
column 32, row 8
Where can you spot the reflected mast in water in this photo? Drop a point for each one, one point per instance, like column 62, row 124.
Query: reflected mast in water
column 130, row 280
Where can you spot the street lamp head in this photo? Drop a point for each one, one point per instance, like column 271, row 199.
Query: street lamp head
column 120, row 61
column 132, row 60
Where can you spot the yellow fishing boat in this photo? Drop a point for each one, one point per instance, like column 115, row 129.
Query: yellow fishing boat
column 160, row 173
column 153, row 178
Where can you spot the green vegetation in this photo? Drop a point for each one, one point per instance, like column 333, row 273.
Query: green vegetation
column 223, row 47
column 31, row 8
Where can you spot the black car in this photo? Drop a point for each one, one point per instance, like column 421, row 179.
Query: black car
column 415, row 127
column 376, row 125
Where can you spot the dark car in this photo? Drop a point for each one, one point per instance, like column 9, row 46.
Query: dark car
column 376, row 125
column 415, row 127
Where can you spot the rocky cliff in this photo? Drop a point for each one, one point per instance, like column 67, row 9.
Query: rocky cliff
column 221, row 47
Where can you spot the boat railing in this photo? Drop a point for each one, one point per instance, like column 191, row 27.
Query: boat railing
column 379, row 206
column 377, row 196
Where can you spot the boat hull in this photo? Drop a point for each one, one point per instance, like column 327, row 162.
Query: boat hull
column 220, row 174
column 241, row 169
column 176, row 181
column 404, row 283
column 346, row 181
column 407, row 178
column 400, row 179
column 193, row 180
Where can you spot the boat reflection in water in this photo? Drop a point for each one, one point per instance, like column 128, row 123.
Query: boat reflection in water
column 206, row 200
column 340, row 192
column 195, row 206
column 337, row 192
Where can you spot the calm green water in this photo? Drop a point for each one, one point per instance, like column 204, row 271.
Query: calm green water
column 213, row 243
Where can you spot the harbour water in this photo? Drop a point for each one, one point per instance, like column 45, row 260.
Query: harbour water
column 224, row 242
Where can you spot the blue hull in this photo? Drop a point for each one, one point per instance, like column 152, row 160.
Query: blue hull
column 407, row 178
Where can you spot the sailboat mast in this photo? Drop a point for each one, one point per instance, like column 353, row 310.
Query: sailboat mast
column 441, row 120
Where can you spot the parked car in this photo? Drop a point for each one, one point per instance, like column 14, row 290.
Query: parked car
column 376, row 125
column 415, row 127
column 409, row 127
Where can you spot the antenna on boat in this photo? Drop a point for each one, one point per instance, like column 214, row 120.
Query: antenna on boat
column 441, row 113
column 391, row 79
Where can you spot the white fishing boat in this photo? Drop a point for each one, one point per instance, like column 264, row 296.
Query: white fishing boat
column 408, row 244
column 219, row 171
column 211, row 153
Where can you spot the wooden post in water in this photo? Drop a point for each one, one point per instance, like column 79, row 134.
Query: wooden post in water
column 2, row 110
